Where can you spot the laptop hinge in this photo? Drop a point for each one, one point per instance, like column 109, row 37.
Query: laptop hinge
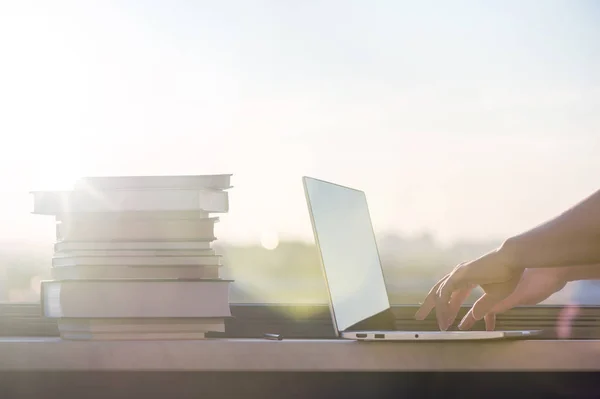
column 385, row 321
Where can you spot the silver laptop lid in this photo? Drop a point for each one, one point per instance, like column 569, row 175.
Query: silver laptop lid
column 349, row 256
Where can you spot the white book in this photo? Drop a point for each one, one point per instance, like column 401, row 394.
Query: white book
column 137, row 261
column 62, row 202
column 217, row 182
column 137, row 230
column 132, row 245
column 149, row 252
column 135, row 298
column 134, row 272
column 131, row 215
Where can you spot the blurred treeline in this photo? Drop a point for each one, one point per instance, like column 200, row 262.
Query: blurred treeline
column 288, row 273
column 291, row 272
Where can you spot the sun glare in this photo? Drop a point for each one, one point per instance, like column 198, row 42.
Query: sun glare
column 269, row 240
column 56, row 182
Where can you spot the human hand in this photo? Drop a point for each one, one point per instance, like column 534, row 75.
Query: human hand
column 535, row 286
column 492, row 272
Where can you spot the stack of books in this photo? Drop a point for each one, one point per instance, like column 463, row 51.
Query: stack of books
column 134, row 257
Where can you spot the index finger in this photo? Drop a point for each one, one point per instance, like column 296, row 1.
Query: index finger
column 442, row 305
column 429, row 302
column 453, row 283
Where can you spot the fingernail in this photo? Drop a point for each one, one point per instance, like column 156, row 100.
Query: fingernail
column 462, row 322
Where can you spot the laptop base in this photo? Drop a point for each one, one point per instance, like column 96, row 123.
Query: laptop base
column 435, row 335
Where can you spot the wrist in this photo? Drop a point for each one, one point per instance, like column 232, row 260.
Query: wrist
column 507, row 254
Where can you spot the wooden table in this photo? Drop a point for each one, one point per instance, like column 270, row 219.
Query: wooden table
column 263, row 368
column 28, row 354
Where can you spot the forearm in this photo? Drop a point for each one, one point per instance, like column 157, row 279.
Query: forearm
column 572, row 238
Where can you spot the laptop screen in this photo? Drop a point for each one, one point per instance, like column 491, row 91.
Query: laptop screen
column 349, row 255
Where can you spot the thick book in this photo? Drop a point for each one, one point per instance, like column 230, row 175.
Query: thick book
column 63, row 261
column 216, row 182
column 137, row 230
column 64, row 202
column 67, row 246
column 131, row 336
column 146, row 325
column 134, row 272
column 135, row 298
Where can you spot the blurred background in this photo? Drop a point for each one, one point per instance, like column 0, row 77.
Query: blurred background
column 465, row 122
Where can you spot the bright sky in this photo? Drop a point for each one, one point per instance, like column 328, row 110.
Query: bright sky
column 469, row 119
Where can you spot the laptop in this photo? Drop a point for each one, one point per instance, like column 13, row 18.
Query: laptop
column 358, row 298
